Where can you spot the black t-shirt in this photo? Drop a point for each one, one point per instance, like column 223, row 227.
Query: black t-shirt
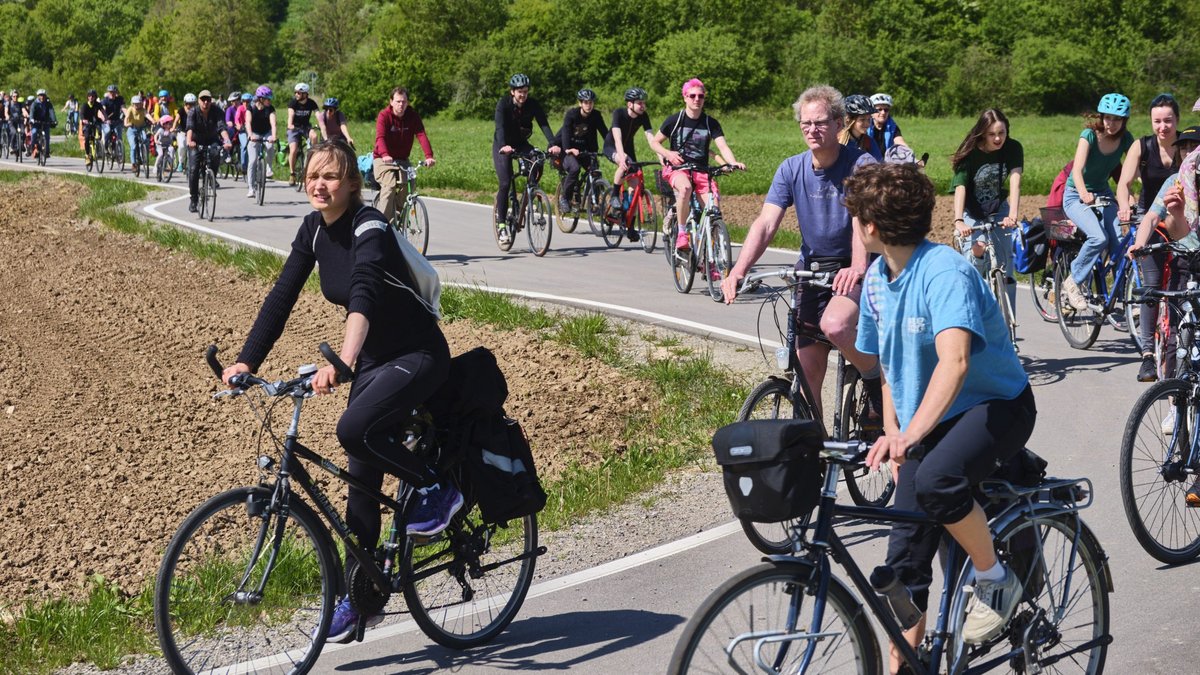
column 581, row 132
column 112, row 108
column 302, row 112
column 260, row 120
column 621, row 119
column 89, row 112
column 362, row 270
column 691, row 137
column 206, row 129
column 514, row 125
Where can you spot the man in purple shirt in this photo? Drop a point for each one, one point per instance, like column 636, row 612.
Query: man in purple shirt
column 812, row 183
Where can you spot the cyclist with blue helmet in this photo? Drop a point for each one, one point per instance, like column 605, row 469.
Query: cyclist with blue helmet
column 1097, row 155
column 516, row 114
column 333, row 122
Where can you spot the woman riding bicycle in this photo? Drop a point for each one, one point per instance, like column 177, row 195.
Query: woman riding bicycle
column 985, row 158
column 691, row 132
column 952, row 383
column 393, row 340
column 1098, row 152
column 858, row 126
column 261, row 125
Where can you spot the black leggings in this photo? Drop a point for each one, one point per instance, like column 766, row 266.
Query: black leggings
column 504, row 174
column 384, row 395
column 962, row 452
column 1152, row 267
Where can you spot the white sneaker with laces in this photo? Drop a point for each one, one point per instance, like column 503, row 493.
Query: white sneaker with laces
column 502, row 234
column 1168, row 423
column 990, row 607
column 1074, row 294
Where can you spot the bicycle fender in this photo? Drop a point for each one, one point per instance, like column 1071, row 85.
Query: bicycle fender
column 1007, row 520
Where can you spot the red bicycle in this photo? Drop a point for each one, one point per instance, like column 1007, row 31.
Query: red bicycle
column 636, row 214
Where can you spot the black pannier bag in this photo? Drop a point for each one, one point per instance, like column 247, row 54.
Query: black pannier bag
column 498, row 472
column 771, row 467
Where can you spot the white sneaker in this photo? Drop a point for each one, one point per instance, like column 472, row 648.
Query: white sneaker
column 502, row 236
column 250, row 193
column 270, row 172
column 1074, row 295
column 990, row 608
column 1168, row 423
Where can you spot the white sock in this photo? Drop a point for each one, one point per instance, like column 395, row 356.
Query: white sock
column 995, row 574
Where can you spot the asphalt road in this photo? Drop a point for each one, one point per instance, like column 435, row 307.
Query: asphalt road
column 626, row 616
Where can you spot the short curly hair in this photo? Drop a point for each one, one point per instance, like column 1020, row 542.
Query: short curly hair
column 897, row 198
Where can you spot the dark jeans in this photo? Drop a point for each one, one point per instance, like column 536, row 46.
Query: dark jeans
column 382, row 397
column 962, row 452
column 572, row 166
column 214, row 160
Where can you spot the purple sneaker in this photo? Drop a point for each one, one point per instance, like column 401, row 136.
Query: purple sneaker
column 438, row 505
column 345, row 621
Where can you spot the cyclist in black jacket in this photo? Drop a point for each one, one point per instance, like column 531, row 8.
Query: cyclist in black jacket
column 515, row 114
column 205, row 126
column 581, row 128
column 42, row 118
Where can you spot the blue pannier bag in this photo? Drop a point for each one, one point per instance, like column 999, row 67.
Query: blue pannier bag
column 1030, row 247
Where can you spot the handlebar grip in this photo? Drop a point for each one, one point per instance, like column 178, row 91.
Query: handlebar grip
column 344, row 372
column 210, row 355
column 916, row 453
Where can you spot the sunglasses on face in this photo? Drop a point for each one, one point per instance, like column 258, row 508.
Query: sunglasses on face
column 205, row 98
column 695, row 97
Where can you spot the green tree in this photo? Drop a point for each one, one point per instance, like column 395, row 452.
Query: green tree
column 217, row 43
column 733, row 72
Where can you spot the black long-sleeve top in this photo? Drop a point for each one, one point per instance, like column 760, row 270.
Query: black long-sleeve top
column 206, row 128
column 362, row 270
column 582, row 132
column 514, row 125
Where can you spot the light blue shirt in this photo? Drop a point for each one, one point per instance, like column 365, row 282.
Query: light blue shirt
column 899, row 320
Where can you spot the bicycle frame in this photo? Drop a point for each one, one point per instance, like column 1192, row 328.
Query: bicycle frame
column 529, row 167
column 634, row 182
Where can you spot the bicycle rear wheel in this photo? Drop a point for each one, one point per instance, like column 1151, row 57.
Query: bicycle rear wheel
column 612, row 225
column 120, row 153
column 1154, row 478
column 647, row 221
column 720, row 258
column 539, row 224
column 772, row 600
column 567, row 220
column 866, row 487
column 468, row 584
column 207, row 613
column 1041, row 289
column 210, row 194
column 1079, row 327
column 416, row 225
column 772, row 399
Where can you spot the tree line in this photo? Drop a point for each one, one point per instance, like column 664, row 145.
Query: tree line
column 936, row 57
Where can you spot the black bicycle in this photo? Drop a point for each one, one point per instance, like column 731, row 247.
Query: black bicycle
column 206, row 156
column 587, row 198
column 114, row 148
column 41, row 142
column 254, row 572
column 792, row 615
column 530, row 210
column 141, row 152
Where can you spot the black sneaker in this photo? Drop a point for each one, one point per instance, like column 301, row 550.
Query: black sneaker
column 632, row 235
column 192, row 207
column 616, row 204
column 564, row 206
column 1149, row 370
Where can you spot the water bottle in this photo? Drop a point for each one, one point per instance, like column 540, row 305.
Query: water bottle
column 885, row 583
column 625, row 200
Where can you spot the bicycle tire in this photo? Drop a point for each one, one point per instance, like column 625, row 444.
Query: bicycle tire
column 1079, row 327
column 456, row 607
column 539, row 225
column 683, row 266
column 416, row 225
column 210, row 186
column 612, row 225
column 42, row 148
column 775, row 597
column 669, row 226
column 771, row 399
column 4, row 141
column 260, row 179
column 20, row 150
column 1041, row 289
column 567, row 220
column 169, row 171
column 146, row 159
column 196, row 623
column 648, row 222
column 865, row 487
column 301, row 165
column 1051, row 555
column 999, row 286
column 98, row 155
column 1132, row 306
column 120, row 146
column 1153, row 484
column 601, row 198
column 720, row 258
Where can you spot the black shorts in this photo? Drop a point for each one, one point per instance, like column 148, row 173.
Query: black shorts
column 610, row 153
column 811, row 302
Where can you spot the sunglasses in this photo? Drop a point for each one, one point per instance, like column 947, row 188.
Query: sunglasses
column 695, row 97
column 205, row 98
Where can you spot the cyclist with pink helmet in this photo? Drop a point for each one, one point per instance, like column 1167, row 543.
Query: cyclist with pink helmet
column 261, row 128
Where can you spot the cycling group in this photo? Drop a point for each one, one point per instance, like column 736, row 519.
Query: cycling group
column 26, row 125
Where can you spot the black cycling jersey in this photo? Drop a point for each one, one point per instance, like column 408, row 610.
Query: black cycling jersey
column 628, row 124
column 302, row 112
column 691, row 138
column 362, row 270
column 206, row 129
column 1153, row 173
column 579, row 132
column 260, row 120
column 514, row 125
column 112, row 108
column 89, row 112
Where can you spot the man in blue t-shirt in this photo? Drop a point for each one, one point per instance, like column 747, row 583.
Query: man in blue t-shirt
column 812, row 183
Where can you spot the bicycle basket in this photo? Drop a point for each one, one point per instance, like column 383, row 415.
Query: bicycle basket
column 1057, row 225
column 771, row 467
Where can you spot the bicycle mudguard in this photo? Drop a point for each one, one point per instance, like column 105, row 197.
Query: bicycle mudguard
column 1010, row 517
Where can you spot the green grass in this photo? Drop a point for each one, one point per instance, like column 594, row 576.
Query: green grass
column 643, row 447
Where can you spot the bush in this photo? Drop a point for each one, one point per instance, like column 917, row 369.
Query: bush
column 733, row 72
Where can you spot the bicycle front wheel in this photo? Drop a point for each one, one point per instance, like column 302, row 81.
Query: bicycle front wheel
column 1132, row 305
column 416, row 224
column 683, row 264
column 866, row 487
column 210, row 195
column 468, row 584
column 208, row 610
column 1079, row 326
column 301, row 163
column 647, row 221
column 720, row 259
column 765, row 616
column 999, row 284
column 612, row 226
column 567, row 220
column 539, row 224
column 1041, row 288
column 1154, row 477
column 772, row 399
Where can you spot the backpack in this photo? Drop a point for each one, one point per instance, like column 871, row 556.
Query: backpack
column 1059, row 187
column 496, row 461
column 1030, row 247
column 428, row 287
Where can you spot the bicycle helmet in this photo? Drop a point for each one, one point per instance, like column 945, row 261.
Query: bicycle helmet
column 111, row 87
column 163, row 93
column 40, row 92
column 1114, row 104
column 586, row 95
column 247, row 96
column 135, row 100
column 301, row 88
column 233, row 96
column 857, row 104
column 263, row 92
column 900, row 154
column 518, row 81
column 90, row 92
column 635, row 94
column 331, row 102
column 29, row 99
column 189, row 98
column 166, row 120
column 881, row 99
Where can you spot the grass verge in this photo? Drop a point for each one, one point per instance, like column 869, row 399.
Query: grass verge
column 110, row 624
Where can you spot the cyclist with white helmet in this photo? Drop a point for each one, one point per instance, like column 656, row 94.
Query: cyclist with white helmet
column 299, row 124
column 1098, row 153
column 618, row 143
column 112, row 107
column 137, row 122
column 859, row 115
column 516, row 113
column 884, row 130
column 260, row 125
column 42, row 118
column 180, row 129
column 333, row 122
column 581, row 128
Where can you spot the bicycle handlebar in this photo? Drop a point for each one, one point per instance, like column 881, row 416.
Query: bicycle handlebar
column 720, row 170
column 243, row 381
column 802, row 277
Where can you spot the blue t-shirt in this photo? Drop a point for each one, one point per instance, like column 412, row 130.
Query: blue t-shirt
column 899, row 320
column 818, row 195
